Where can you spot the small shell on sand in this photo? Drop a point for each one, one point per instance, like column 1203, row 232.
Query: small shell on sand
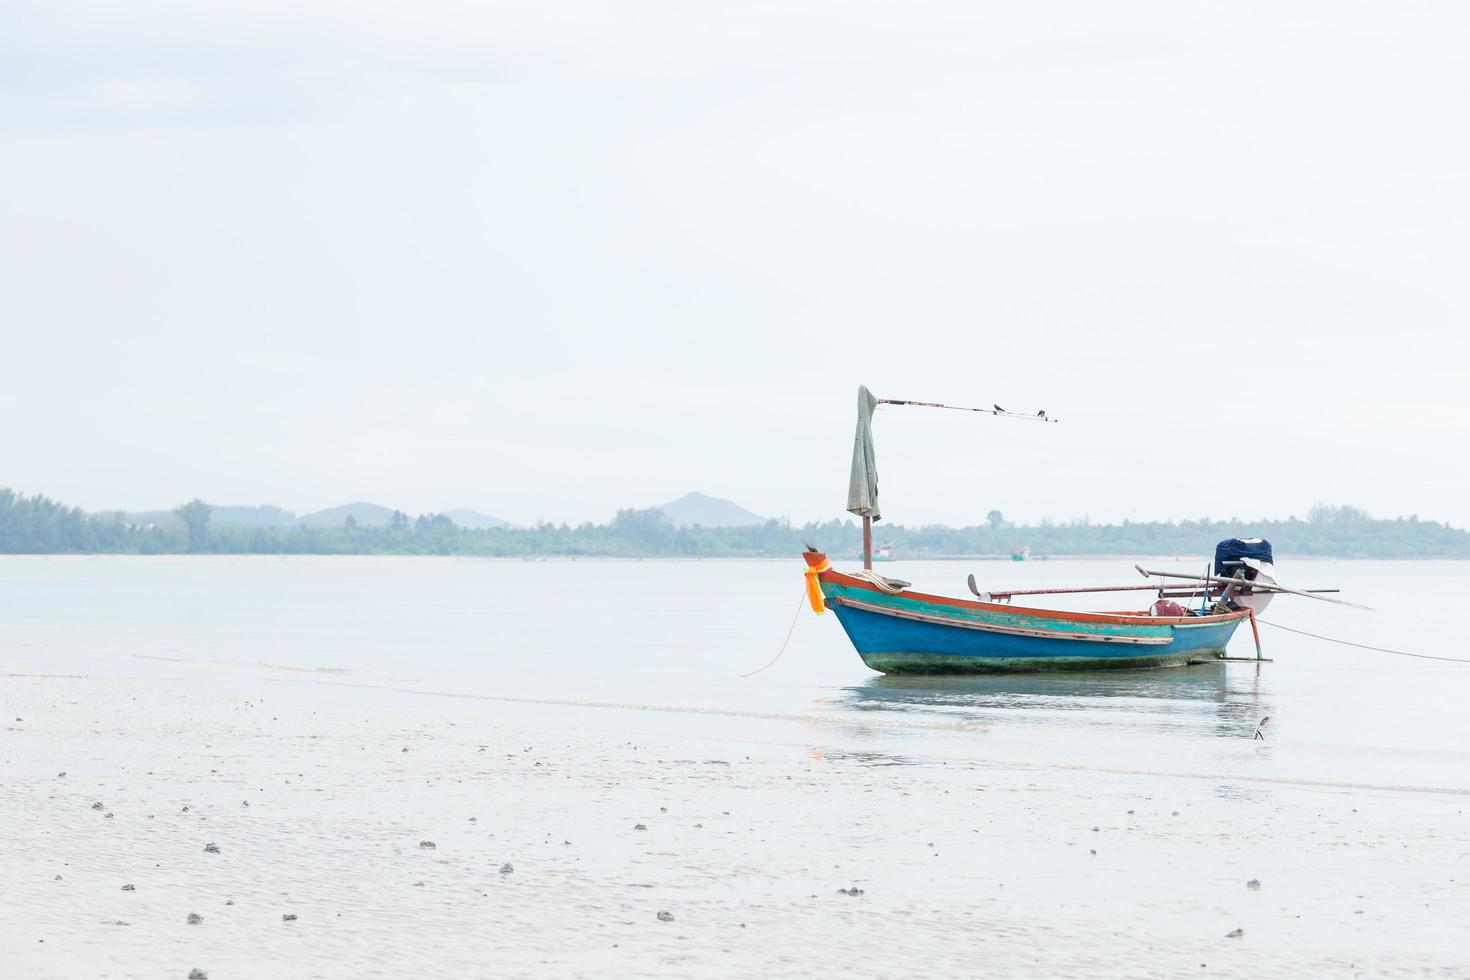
column 666, row 917
column 506, row 868
column 197, row 974
column 427, row 845
column 194, row 918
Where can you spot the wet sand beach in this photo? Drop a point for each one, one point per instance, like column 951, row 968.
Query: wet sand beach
column 415, row 825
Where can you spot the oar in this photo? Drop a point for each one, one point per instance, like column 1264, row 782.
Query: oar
column 1255, row 586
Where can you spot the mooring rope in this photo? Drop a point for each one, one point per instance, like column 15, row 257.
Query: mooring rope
column 1364, row 646
column 784, row 642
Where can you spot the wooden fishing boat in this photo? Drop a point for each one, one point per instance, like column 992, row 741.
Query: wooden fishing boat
column 896, row 630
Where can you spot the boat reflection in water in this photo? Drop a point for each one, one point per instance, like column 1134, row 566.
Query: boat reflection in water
column 1213, row 699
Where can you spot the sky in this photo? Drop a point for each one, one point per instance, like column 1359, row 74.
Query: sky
column 546, row 260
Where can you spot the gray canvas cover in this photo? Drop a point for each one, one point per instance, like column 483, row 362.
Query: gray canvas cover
column 862, row 488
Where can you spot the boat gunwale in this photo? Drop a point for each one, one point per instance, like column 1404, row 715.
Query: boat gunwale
column 833, row 577
column 985, row 627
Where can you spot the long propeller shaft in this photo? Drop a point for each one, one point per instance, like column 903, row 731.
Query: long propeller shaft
column 1253, row 586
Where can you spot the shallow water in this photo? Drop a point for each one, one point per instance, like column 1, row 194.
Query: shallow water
column 680, row 635
column 147, row 679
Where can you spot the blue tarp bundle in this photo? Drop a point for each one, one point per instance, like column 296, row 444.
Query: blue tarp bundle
column 1234, row 549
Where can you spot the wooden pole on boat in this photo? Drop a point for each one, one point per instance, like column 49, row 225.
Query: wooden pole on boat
column 867, row 542
column 1184, row 591
column 1255, row 586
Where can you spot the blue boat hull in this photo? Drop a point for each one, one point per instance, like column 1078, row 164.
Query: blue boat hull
column 898, row 646
column 911, row 633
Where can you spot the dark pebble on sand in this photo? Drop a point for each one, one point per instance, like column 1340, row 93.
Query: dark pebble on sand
column 288, row 917
column 666, row 917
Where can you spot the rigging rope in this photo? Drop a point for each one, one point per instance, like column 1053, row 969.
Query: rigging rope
column 786, row 641
column 1364, row 646
column 868, row 575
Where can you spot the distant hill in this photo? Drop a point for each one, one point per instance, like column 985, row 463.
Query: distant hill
column 706, row 511
column 265, row 515
column 366, row 515
column 475, row 520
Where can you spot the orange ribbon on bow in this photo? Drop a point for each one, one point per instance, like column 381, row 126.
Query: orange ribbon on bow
column 814, row 587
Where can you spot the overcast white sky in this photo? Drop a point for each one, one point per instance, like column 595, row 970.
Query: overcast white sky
column 547, row 259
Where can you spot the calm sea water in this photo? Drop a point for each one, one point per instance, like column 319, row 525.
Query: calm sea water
column 679, row 634
column 588, row 724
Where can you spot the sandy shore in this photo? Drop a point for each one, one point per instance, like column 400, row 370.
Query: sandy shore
column 562, row 836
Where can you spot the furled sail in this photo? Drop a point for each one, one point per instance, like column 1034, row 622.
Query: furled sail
column 862, row 488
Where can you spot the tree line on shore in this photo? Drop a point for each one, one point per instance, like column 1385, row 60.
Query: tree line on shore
column 38, row 525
